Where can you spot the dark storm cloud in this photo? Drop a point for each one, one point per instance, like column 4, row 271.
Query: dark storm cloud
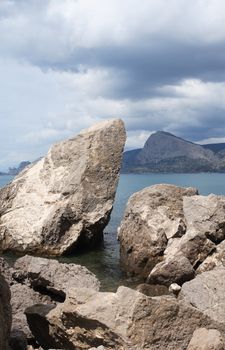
column 67, row 64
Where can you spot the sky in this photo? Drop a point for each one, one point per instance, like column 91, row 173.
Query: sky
column 157, row 64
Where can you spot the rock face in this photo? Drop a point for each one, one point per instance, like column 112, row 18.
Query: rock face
column 37, row 280
column 152, row 217
column 206, row 339
column 206, row 292
column 5, row 314
column 123, row 320
column 169, row 233
column 64, row 201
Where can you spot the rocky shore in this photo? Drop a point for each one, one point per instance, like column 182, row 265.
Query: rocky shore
column 172, row 237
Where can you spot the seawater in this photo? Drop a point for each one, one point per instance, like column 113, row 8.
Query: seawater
column 104, row 261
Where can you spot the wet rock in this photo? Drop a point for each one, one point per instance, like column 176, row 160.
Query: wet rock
column 152, row 217
column 206, row 293
column 124, row 320
column 63, row 202
column 5, row 314
column 206, row 339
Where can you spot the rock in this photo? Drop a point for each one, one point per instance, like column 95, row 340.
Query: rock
column 206, row 339
column 206, row 293
column 37, row 280
column 154, row 241
column 206, row 215
column 177, row 269
column 5, row 314
column 123, row 320
column 37, row 322
column 18, row 340
column 64, row 201
column 23, row 297
column 152, row 290
column 51, row 277
column 152, row 217
column 174, row 288
column 214, row 260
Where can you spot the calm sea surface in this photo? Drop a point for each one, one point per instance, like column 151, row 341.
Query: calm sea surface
column 104, row 262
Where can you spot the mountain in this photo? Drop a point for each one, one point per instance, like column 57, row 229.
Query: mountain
column 15, row 171
column 165, row 152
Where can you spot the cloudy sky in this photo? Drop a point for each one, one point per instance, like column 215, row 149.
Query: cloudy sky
column 157, row 64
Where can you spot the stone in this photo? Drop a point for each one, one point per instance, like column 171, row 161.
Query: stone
column 153, row 242
column 152, row 290
column 37, row 280
column 18, row 340
column 5, row 314
column 152, row 217
column 23, row 297
column 216, row 259
column 177, row 269
column 63, row 202
column 206, row 339
column 52, row 277
column 206, row 215
column 174, row 288
column 206, row 293
column 125, row 320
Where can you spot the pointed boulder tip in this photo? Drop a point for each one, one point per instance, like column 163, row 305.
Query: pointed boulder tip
column 104, row 124
column 62, row 203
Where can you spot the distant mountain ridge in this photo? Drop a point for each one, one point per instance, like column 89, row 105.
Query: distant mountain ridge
column 16, row 170
column 165, row 152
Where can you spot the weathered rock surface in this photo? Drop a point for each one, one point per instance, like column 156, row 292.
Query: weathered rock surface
column 216, row 259
column 36, row 280
column 206, row 339
column 178, row 269
column 152, row 217
column 64, row 200
column 170, row 232
column 5, row 314
column 124, row 320
column 52, row 277
column 206, row 292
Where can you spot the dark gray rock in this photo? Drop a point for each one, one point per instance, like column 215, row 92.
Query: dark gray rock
column 5, row 314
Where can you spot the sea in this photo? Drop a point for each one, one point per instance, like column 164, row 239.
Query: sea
column 104, row 261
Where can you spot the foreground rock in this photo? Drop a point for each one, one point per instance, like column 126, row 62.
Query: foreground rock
column 123, row 320
column 5, row 314
column 37, row 280
column 51, row 277
column 206, row 339
column 64, row 201
column 169, row 234
column 206, row 292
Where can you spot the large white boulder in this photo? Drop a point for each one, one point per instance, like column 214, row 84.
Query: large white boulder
column 64, row 200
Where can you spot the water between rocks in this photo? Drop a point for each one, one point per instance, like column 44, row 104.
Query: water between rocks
column 104, row 261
